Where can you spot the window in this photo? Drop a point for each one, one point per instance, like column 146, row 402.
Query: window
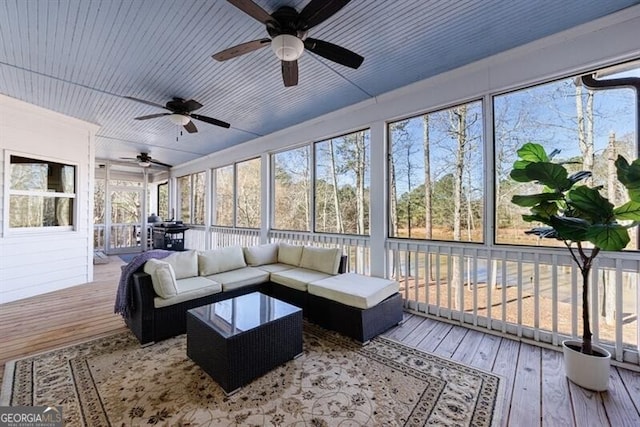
column 198, row 195
column 184, row 198
column 163, row 200
column 224, row 196
column 342, row 184
column 191, row 198
column 591, row 128
column 99, row 210
column 248, row 200
column 291, row 189
column 99, row 201
column 238, row 195
column 41, row 193
column 437, row 175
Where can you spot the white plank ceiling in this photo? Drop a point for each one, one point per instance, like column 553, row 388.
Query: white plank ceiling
column 81, row 57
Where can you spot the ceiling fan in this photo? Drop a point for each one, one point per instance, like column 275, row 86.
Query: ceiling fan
column 144, row 160
column 288, row 31
column 180, row 113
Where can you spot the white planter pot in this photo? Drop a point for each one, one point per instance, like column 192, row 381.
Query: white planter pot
column 590, row 372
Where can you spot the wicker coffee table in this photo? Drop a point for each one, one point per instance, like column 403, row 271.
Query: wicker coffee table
column 239, row 339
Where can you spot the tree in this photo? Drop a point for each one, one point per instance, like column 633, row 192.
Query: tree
column 427, row 179
column 248, row 198
column 291, row 190
column 577, row 214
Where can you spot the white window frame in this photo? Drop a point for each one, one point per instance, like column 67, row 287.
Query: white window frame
column 7, row 229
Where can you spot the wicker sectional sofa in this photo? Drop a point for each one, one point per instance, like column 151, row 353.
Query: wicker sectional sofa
column 309, row 277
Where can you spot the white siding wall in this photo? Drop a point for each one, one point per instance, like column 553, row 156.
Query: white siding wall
column 41, row 261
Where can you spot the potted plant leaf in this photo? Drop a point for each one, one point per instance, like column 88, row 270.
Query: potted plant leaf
column 587, row 223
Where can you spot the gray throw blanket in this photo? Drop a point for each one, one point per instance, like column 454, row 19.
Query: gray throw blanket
column 124, row 301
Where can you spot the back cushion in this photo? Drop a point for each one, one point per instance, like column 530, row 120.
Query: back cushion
column 220, row 260
column 185, row 264
column 289, row 254
column 261, row 254
column 326, row 260
column 162, row 278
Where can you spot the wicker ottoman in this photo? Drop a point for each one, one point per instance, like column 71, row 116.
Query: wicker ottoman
column 355, row 305
column 242, row 338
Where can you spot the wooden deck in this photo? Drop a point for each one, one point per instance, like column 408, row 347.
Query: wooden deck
column 537, row 392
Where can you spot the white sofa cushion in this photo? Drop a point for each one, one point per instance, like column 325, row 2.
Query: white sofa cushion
column 261, row 254
column 289, row 254
column 297, row 278
column 354, row 289
column 326, row 260
column 220, row 260
column 163, row 277
column 185, row 264
column 274, row 268
column 240, row 277
column 188, row 289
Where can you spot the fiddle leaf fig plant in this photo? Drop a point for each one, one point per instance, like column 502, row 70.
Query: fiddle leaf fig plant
column 575, row 213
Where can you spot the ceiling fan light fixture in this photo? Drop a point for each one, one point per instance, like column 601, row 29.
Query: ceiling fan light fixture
column 287, row 47
column 144, row 164
column 179, row 119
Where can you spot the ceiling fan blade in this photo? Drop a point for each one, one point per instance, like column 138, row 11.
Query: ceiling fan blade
column 155, row 162
column 241, row 49
column 333, row 52
column 190, row 127
column 211, row 120
column 290, row 73
column 191, row 105
column 318, row 11
column 252, row 9
column 146, row 102
column 152, row 116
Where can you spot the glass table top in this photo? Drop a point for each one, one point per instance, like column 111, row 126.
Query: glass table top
column 236, row 315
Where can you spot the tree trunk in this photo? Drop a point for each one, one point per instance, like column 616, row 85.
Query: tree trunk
column 360, row 176
column 336, row 201
column 459, row 118
column 428, row 217
column 586, row 328
column 427, row 179
column 393, row 198
column 307, row 192
column 609, row 277
column 585, row 129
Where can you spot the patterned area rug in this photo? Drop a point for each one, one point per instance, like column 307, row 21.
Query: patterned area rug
column 113, row 381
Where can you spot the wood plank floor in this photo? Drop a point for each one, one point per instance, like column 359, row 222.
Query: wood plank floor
column 537, row 393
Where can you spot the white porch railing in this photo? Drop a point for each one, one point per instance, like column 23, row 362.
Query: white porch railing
column 535, row 296
column 532, row 295
column 99, row 243
column 355, row 247
column 195, row 237
column 226, row 236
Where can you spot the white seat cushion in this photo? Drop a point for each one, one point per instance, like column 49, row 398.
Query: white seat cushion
column 220, row 260
column 275, row 268
column 163, row 277
column 297, row 278
column 188, row 289
column 261, row 254
column 185, row 264
column 326, row 260
column 239, row 278
column 354, row 289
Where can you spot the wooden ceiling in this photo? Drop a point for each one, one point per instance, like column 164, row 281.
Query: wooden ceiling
column 82, row 57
